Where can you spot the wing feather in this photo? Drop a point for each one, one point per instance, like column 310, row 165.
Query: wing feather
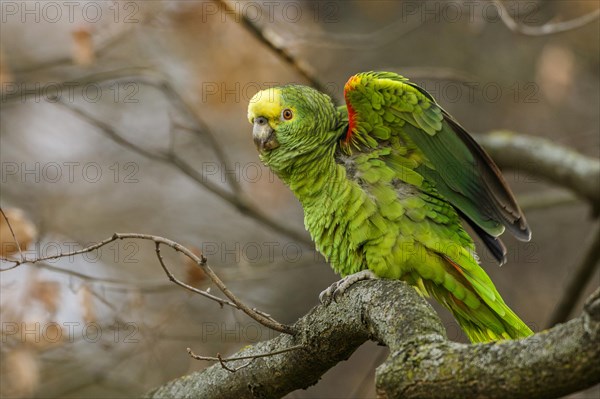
column 384, row 104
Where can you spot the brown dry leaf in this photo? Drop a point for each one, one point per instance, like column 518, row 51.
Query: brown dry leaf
column 42, row 335
column 556, row 72
column 83, row 47
column 136, row 300
column 194, row 274
column 20, row 373
column 87, row 303
column 24, row 230
column 46, row 292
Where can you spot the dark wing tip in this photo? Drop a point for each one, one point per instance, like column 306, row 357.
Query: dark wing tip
column 514, row 220
column 493, row 244
column 497, row 248
column 521, row 230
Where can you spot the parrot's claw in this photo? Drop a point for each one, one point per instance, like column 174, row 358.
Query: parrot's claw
column 336, row 289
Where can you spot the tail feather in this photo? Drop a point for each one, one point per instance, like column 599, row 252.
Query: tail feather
column 481, row 324
column 474, row 302
column 513, row 326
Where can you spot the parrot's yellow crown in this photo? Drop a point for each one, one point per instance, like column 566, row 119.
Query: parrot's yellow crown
column 265, row 103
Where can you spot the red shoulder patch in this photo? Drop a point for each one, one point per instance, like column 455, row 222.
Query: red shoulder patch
column 348, row 87
column 351, row 123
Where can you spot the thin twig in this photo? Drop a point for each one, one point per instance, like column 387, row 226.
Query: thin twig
column 201, row 261
column 233, row 370
column 529, row 155
column 581, row 277
column 297, row 34
column 126, row 285
column 13, row 234
column 142, row 76
column 264, row 319
column 261, row 317
column 201, row 128
column 14, row 266
column 87, row 249
column 436, row 73
column 184, row 285
column 111, row 76
column 557, row 362
column 234, row 197
column 546, row 29
column 283, row 53
column 223, row 361
column 99, row 49
column 547, row 199
column 109, row 131
column 86, row 277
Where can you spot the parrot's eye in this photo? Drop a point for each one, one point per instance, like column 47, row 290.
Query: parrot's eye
column 287, row 114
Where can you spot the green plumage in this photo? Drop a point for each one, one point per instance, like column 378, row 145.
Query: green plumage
column 384, row 182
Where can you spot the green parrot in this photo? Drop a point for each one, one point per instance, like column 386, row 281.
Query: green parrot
column 385, row 182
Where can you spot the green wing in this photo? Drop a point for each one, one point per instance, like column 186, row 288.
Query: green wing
column 384, row 105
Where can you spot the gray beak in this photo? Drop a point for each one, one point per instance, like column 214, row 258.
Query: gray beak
column 263, row 135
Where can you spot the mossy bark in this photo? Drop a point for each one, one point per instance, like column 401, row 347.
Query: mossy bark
column 422, row 362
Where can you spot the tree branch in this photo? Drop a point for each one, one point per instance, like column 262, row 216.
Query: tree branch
column 235, row 197
column 12, row 232
column 223, row 362
column 581, row 276
column 542, row 158
column 200, row 261
column 549, row 364
column 423, row 363
column 546, row 29
column 300, row 67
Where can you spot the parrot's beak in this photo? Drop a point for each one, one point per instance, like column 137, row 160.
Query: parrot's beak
column 263, row 135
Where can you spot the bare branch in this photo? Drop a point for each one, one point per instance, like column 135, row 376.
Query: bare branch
column 542, row 158
column 546, row 29
column 283, row 53
column 547, row 199
column 233, row 370
column 422, row 362
column 222, row 361
column 235, row 198
column 436, row 73
column 187, row 286
column 12, row 232
column 144, row 76
column 582, row 274
column 260, row 317
column 548, row 364
column 87, row 249
column 100, row 49
column 555, row 163
column 129, row 285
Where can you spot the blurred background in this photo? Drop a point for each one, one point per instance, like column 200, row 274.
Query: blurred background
column 130, row 116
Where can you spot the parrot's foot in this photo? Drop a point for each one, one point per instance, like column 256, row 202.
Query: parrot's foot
column 339, row 287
